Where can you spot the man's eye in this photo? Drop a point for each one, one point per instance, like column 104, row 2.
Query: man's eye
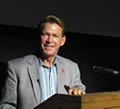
column 55, row 35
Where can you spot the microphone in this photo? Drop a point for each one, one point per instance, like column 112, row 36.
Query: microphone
column 104, row 69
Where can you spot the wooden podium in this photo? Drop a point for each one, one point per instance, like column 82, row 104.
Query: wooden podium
column 105, row 100
column 101, row 100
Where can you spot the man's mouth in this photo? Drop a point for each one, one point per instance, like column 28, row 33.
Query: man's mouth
column 49, row 46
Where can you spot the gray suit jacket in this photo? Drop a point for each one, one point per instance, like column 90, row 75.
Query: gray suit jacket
column 22, row 88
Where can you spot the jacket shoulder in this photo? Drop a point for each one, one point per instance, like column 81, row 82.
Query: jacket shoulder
column 21, row 62
column 67, row 61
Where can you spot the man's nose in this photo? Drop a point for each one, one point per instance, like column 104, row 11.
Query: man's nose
column 50, row 38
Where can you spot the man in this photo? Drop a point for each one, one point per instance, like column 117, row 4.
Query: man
column 34, row 78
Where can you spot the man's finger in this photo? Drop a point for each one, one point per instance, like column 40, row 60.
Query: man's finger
column 70, row 91
column 75, row 92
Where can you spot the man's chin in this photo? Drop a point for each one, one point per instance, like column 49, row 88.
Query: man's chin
column 47, row 55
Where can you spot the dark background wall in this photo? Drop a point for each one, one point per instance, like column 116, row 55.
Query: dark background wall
column 84, row 16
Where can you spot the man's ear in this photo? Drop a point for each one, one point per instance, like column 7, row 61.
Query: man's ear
column 63, row 40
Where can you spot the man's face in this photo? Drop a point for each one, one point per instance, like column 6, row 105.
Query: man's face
column 51, row 39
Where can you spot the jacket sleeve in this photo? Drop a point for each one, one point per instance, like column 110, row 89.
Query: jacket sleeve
column 9, row 91
column 77, row 82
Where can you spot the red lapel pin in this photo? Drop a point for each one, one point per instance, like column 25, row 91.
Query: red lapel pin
column 63, row 70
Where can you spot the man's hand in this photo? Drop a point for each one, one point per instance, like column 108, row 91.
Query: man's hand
column 75, row 91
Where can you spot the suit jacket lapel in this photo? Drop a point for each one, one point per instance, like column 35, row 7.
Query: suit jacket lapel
column 33, row 70
column 61, row 77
